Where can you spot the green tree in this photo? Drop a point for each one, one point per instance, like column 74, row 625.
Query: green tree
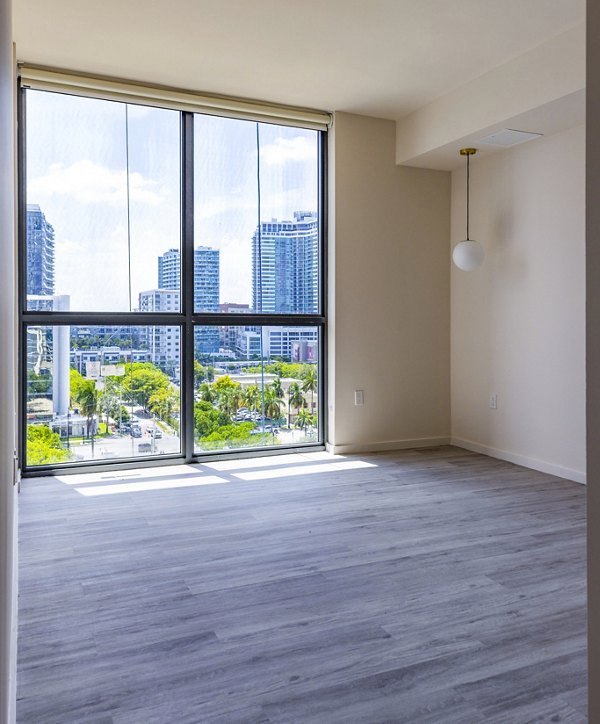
column 141, row 381
column 272, row 403
column 76, row 380
column 44, row 446
column 229, row 400
column 281, row 369
column 206, row 392
column 234, row 435
column 310, row 383
column 224, row 382
column 295, row 400
column 251, row 397
column 228, row 395
column 38, row 385
column 277, row 387
column 87, row 401
column 164, row 403
column 304, row 419
column 200, row 373
column 108, row 399
column 207, row 419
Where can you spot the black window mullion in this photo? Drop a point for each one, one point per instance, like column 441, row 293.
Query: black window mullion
column 21, row 275
column 187, row 284
column 323, row 285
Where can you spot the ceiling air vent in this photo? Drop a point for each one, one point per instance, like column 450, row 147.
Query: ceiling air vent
column 508, row 137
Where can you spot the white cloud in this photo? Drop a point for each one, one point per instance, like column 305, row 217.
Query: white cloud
column 68, row 246
column 222, row 204
column 89, row 182
column 283, row 150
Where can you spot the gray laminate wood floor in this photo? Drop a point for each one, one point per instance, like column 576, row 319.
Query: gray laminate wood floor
column 432, row 586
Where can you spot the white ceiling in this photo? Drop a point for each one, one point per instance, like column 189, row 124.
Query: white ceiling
column 383, row 58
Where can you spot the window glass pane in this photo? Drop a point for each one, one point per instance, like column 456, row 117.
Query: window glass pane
column 226, row 212
column 260, row 389
column 285, row 246
column 103, row 201
column 246, row 171
column 101, row 393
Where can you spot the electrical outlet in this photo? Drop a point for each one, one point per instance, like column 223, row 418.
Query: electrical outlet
column 359, row 397
column 494, row 402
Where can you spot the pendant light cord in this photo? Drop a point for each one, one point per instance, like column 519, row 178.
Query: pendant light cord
column 468, row 158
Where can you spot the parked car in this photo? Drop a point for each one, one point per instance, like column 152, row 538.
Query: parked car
column 155, row 432
column 135, row 431
column 145, row 447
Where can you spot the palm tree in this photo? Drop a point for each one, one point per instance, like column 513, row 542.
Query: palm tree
column 304, row 419
column 164, row 402
column 251, row 397
column 87, row 399
column 230, row 400
column 310, row 383
column 277, row 387
column 207, row 393
column 295, row 400
column 108, row 399
column 272, row 403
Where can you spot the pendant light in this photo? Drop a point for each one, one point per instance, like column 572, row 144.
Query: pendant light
column 468, row 255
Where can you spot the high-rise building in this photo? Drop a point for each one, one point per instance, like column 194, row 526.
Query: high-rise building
column 206, row 279
column 161, row 340
column 292, row 344
column 285, row 265
column 159, row 300
column 169, row 270
column 40, row 253
column 206, row 276
column 47, row 347
column 206, row 289
column 228, row 334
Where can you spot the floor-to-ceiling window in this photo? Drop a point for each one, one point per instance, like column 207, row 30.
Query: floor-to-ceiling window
column 172, row 286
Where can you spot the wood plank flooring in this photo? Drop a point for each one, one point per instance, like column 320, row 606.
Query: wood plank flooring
column 434, row 586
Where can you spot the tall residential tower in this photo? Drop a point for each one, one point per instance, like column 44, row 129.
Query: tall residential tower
column 285, row 265
column 166, row 298
column 40, row 253
column 206, row 276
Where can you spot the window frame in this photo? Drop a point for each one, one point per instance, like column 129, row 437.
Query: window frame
column 186, row 319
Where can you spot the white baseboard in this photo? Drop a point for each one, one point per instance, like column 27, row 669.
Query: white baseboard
column 577, row 476
column 387, row 445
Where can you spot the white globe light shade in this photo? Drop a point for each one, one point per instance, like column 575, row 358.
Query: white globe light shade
column 468, row 255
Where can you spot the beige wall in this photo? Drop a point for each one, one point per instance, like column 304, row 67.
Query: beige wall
column 389, row 291
column 593, row 352
column 7, row 400
column 518, row 328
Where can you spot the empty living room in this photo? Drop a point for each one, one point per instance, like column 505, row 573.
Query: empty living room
column 299, row 362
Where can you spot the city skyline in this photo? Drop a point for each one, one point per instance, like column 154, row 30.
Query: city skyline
column 115, row 206
column 286, row 253
column 288, row 262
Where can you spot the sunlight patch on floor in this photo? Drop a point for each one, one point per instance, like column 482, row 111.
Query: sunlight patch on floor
column 268, row 462
column 144, row 485
column 131, row 474
column 291, row 470
column 198, row 475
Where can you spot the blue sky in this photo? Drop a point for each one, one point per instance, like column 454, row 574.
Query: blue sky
column 76, row 172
